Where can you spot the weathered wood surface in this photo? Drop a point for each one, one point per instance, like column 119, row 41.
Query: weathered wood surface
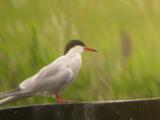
column 148, row 109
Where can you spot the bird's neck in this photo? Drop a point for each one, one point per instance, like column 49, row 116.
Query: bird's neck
column 72, row 55
column 74, row 62
column 76, row 51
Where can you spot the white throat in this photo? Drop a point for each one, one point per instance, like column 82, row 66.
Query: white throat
column 74, row 58
column 77, row 50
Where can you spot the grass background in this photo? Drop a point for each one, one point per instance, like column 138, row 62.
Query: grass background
column 125, row 32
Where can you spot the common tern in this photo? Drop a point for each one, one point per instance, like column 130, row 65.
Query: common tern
column 53, row 78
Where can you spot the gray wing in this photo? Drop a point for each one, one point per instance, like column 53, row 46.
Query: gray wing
column 50, row 78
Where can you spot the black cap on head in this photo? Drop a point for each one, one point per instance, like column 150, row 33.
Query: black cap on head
column 72, row 44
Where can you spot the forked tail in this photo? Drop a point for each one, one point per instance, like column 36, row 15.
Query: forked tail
column 13, row 95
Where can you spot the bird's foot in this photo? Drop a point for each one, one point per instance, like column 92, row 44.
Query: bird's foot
column 61, row 101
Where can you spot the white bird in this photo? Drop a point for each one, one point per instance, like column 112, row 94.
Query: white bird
column 53, row 78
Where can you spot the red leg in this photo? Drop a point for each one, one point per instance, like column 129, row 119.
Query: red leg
column 61, row 101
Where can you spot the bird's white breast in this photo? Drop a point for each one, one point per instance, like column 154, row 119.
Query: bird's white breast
column 74, row 63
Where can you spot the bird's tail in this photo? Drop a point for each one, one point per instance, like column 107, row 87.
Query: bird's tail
column 10, row 93
column 13, row 95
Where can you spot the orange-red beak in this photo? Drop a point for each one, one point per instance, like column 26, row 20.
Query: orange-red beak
column 90, row 49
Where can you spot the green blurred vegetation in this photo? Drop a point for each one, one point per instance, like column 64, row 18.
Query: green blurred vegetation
column 125, row 32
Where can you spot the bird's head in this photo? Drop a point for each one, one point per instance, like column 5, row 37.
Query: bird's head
column 77, row 46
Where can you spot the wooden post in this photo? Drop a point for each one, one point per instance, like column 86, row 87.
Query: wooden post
column 147, row 109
